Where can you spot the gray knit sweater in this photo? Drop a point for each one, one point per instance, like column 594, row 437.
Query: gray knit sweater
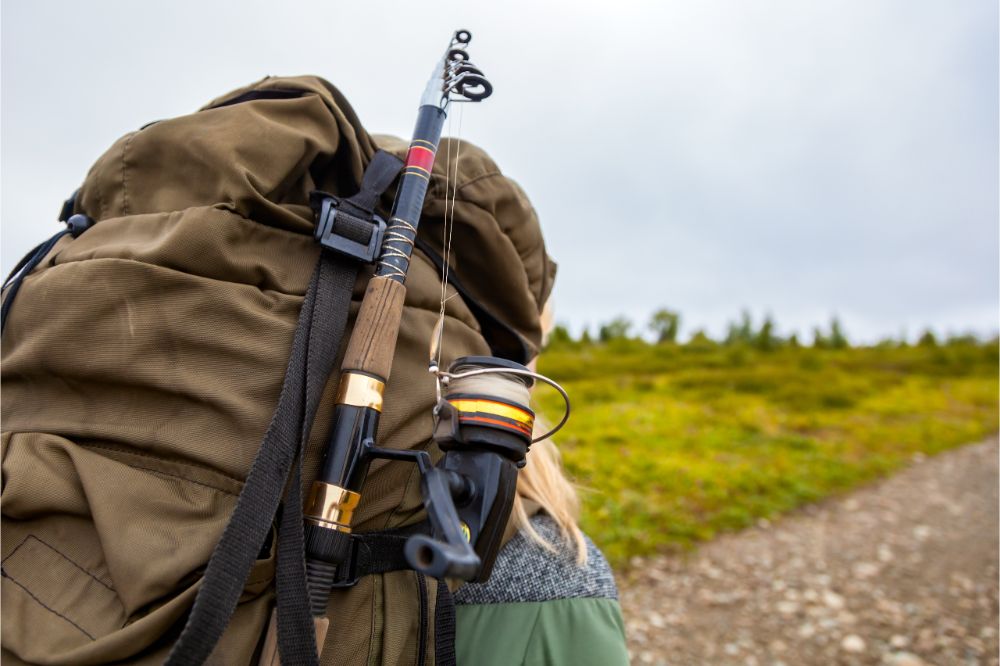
column 525, row 571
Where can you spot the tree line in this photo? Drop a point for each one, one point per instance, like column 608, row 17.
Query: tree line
column 664, row 326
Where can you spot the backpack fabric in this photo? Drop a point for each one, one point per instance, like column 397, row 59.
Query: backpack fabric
column 143, row 359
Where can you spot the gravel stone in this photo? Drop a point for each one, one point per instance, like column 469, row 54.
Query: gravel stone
column 833, row 600
column 904, row 659
column 853, row 643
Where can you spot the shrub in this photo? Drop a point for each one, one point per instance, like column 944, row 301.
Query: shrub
column 927, row 339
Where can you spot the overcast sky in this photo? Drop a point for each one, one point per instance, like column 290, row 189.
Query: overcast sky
column 794, row 158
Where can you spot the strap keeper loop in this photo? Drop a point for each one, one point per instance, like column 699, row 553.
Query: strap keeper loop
column 332, row 221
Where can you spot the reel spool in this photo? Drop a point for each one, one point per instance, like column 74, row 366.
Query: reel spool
column 486, row 410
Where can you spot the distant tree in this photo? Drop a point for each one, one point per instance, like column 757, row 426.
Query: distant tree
column 585, row 338
column 745, row 330
column 616, row 329
column 927, row 339
column 560, row 336
column 793, row 341
column 741, row 332
column 838, row 339
column 765, row 338
column 665, row 324
column 820, row 341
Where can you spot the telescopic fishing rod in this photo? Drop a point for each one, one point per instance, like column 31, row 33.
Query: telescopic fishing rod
column 336, row 493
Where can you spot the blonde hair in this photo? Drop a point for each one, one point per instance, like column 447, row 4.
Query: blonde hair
column 542, row 481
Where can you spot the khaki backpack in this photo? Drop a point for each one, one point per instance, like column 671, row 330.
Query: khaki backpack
column 143, row 359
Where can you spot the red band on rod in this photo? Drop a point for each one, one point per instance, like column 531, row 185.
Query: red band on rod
column 420, row 157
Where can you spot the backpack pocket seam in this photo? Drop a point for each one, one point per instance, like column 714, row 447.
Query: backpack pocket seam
column 58, row 552
column 124, row 453
column 42, row 564
column 46, row 607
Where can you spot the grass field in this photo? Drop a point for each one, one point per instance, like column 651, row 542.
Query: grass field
column 672, row 443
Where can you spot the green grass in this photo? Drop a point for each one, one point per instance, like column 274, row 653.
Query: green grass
column 672, row 444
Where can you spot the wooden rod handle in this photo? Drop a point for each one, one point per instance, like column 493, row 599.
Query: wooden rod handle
column 373, row 341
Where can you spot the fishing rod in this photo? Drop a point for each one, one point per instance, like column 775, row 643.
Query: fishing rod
column 336, row 493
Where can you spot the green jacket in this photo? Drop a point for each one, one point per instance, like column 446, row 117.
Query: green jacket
column 540, row 607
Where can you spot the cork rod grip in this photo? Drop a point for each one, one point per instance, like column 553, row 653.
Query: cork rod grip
column 373, row 341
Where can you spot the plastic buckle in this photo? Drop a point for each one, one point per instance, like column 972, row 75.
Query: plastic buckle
column 328, row 238
column 347, row 571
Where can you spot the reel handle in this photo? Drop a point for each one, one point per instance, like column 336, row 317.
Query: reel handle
column 453, row 557
column 439, row 560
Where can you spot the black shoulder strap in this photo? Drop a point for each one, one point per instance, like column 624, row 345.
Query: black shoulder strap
column 314, row 349
column 444, row 626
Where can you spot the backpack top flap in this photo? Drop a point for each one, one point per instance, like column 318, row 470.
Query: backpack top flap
column 258, row 160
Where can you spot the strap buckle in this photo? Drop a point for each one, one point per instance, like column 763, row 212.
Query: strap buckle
column 347, row 571
column 329, row 236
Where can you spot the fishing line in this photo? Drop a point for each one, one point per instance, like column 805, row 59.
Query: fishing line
column 438, row 332
column 454, row 198
column 450, row 192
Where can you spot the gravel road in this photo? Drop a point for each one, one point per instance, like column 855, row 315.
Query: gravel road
column 900, row 573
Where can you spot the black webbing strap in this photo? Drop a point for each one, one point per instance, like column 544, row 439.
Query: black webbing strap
column 444, row 626
column 314, row 349
column 317, row 338
column 29, row 257
column 422, row 619
column 373, row 553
